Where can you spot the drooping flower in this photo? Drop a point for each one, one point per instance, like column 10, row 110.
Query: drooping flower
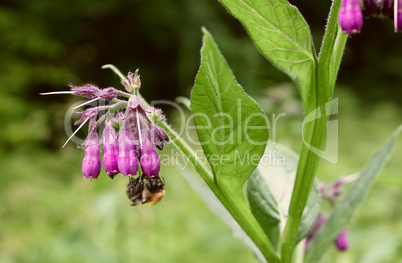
column 371, row 7
column 91, row 164
column 149, row 161
column 350, row 16
column 110, row 150
column 127, row 160
column 398, row 15
column 387, row 7
column 341, row 241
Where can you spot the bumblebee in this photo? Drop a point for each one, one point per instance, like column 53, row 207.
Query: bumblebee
column 150, row 192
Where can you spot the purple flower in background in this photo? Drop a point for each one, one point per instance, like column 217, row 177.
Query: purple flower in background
column 91, row 165
column 110, row 150
column 318, row 223
column 341, row 241
column 351, row 16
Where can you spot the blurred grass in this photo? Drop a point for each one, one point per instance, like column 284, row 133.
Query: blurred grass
column 49, row 213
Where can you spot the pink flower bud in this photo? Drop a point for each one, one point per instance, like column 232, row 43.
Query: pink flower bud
column 91, row 165
column 108, row 93
column 149, row 160
column 110, row 150
column 127, row 160
column 88, row 91
column 350, row 16
column 341, row 241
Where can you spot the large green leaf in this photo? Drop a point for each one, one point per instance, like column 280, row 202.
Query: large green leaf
column 230, row 125
column 269, row 191
column 344, row 210
column 233, row 132
column 281, row 34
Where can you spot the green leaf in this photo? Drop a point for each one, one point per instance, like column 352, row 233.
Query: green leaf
column 344, row 210
column 231, row 127
column 281, row 34
column 269, row 191
column 233, row 132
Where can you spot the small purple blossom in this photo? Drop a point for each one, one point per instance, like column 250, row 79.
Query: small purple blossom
column 336, row 187
column 371, row 7
column 89, row 113
column 159, row 136
column 127, row 160
column 341, row 241
column 351, row 16
column 110, row 150
column 91, row 164
column 398, row 15
column 149, row 161
column 387, row 7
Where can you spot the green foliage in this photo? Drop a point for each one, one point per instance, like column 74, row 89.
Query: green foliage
column 222, row 112
column 285, row 42
column 344, row 210
column 269, row 191
column 229, row 123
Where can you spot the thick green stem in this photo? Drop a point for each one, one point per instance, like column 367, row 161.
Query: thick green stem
column 315, row 130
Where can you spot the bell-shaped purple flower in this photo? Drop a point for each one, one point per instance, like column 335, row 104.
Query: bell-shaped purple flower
column 127, row 160
column 398, row 15
column 387, row 7
column 341, row 241
column 110, row 150
column 371, row 7
column 149, row 161
column 91, row 165
column 351, row 16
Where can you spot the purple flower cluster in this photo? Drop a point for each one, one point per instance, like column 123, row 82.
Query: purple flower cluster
column 133, row 146
column 331, row 193
column 341, row 241
column 351, row 13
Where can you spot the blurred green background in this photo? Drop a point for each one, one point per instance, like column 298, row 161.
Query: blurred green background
column 49, row 213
